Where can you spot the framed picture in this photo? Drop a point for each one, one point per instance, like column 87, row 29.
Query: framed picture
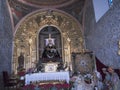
column 84, row 62
column 50, row 67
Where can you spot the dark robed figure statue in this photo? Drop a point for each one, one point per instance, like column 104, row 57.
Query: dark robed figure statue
column 21, row 61
column 50, row 52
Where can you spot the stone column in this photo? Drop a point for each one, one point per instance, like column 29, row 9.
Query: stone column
column 5, row 40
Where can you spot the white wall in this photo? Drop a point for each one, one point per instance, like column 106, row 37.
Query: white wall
column 100, row 8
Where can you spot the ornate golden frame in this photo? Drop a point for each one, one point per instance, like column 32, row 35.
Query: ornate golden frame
column 26, row 36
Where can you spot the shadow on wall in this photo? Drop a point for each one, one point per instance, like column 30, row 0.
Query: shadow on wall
column 1, row 81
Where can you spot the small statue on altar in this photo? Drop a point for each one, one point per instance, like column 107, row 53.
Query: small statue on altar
column 61, row 66
column 40, row 68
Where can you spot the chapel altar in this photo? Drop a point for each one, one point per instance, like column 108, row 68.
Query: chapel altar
column 50, row 42
column 50, row 62
column 51, row 46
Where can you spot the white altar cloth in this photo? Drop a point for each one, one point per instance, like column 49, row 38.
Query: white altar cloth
column 47, row 76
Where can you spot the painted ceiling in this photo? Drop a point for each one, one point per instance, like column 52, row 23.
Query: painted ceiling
column 48, row 3
column 20, row 8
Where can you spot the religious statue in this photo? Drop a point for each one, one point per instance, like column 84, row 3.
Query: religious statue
column 79, row 83
column 114, row 79
column 61, row 66
column 106, row 80
column 21, row 61
column 40, row 68
column 50, row 52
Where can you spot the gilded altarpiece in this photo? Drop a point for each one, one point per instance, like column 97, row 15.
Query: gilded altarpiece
column 26, row 36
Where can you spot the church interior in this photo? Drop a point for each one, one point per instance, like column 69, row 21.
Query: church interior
column 59, row 44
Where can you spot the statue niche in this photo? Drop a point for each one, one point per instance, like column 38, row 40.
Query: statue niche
column 51, row 51
column 21, row 61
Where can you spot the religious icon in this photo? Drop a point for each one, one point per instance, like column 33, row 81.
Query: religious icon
column 50, row 50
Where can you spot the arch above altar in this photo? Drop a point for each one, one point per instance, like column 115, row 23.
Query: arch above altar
column 35, row 28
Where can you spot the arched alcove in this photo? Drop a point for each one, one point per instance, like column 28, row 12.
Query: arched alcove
column 27, row 33
column 45, row 35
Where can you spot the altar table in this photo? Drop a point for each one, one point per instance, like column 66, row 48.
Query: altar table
column 47, row 77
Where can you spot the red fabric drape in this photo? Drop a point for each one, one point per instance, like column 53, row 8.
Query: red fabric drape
column 99, row 66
